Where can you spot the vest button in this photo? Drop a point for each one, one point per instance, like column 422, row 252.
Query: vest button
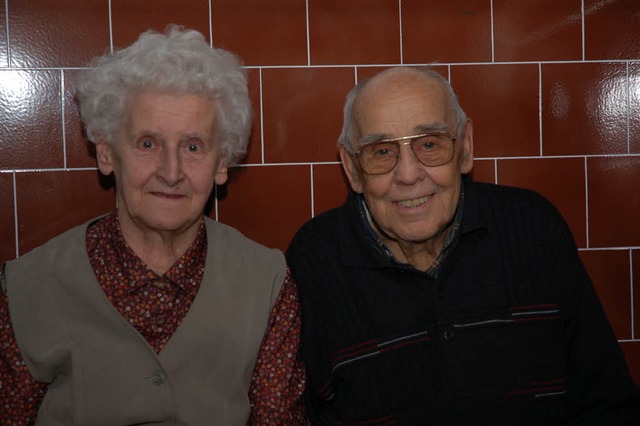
column 158, row 377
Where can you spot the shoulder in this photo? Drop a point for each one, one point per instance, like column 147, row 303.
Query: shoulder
column 322, row 230
column 227, row 240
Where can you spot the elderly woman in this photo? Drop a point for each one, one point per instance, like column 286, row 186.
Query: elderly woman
column 154, row 313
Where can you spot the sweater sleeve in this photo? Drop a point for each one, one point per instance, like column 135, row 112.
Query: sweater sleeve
column 600, row 389
column 20, row 393
column 278, row 382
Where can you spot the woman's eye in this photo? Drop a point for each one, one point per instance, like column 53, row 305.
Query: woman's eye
column 146, row 144
column 192, row 147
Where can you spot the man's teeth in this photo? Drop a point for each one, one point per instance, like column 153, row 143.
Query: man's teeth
column 413, row 203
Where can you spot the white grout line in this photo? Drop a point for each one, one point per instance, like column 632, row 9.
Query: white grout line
column 210, row 24
column 633, row 330
column 110, row 28
column 493, row 46
column 6, row 23
column 540, row 105
column 313, row 206
column 308, row 35
column 15, row 212
column 64, row 127
column 261, row 119
column 495, row 171
column 586, row 199
column 584, row 41
column 400, row 20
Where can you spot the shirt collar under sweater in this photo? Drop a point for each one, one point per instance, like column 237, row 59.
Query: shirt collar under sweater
column 118, row 268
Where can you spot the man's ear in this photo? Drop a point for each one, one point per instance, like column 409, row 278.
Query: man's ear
column 104, row 155
column 466, row 162
column 350, row 169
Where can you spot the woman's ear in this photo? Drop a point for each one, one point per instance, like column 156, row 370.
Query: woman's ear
column 104, row 156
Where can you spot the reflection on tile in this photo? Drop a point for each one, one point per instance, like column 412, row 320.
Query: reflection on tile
column 614, row 201
column 302, row 109
column 7, row 219
column 330, row 187
column 632, row 354
column 484, row 171
column 446, row 31
column 502, row 100
column 254, row 151
column 131, row 17
column 61, row 23
column 267, row 203
column 611, row 29
column 49, row 203
column 609, row 271
column 80, row 151
column 584, row 108
column 371, row 27
column 525, row 30
column 262, row 32
column 561, row 180
column 634, row 107
column 30, row 113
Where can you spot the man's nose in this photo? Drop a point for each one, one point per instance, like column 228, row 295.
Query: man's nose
column 408, row 169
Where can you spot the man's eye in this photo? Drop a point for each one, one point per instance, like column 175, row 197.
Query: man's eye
column 146, row 144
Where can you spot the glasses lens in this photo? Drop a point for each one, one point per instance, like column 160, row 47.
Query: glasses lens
column 378, row 158
column 433, row 149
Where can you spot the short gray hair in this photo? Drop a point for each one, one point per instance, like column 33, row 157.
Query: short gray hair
column 349, row 125
column 177, row 62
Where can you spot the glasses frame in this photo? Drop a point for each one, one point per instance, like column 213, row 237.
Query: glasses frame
column 406, row 140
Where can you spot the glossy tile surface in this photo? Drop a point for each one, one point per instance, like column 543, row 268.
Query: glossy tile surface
column 51, row 202
column 302, row 110
column 262, row 32
column 484, row 171
column 7, row 219
column 611, row 29
column 614, row 201
column 254, row 150
column 502, row 100
column 62, row 24
column 80, row 151
column 131, row 17
column 330, row 187
column 634, row 108
column 524, row 30
column 258, row 202
column 30, row 118
column 355, row 31
column 446, row 31
column 584, row 108
column 609, row 271
column 561, row 180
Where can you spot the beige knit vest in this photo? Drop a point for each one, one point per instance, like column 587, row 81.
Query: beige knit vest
column 101, row 371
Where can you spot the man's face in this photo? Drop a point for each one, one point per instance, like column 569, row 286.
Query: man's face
column 413, row 203
column 165, row 160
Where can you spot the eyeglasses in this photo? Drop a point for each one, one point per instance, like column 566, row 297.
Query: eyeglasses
column 431, row 149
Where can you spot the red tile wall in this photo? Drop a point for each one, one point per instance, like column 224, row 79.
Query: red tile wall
column 554, row 94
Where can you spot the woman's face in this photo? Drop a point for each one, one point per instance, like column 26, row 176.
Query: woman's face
column 166, row 160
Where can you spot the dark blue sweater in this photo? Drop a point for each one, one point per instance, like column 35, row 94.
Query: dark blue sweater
column 511, row 332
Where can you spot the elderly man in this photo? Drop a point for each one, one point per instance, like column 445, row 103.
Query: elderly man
column 154, row 313
column 429, row 299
